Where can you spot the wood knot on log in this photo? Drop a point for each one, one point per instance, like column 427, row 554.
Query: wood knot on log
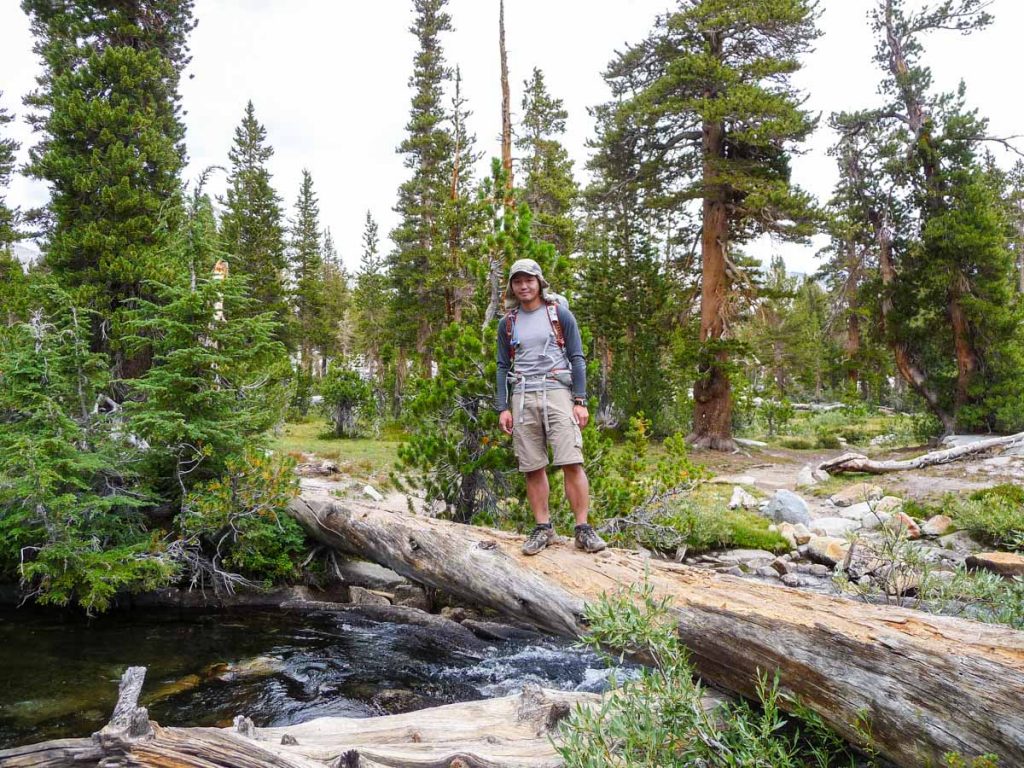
column 348, row 759
column 289, row 741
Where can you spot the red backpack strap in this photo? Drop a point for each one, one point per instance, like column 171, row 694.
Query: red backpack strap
column 556, row 324
column 510, row 326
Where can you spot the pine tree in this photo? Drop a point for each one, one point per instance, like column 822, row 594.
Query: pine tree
column 252, row 227
column 12, row 277
column 463, row 214
column 307, row 266
column 8, row 216
column 70, row 498
column 939, row 230
column 371, row 299
column 1013, row 196
column 218, row 377
column 418, row 305
column 111, row 148
column 707, row 101
column 334, row 333
column 548, row 185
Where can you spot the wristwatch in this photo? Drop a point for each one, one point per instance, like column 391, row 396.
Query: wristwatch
column 579, row 401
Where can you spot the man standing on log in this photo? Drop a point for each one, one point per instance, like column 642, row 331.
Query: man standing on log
column 540, row 353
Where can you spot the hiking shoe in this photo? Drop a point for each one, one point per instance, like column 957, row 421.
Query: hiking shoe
column 588, row 540
column 539, row 538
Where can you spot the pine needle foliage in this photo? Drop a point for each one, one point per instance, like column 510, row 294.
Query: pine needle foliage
column 70, row 500
column 219, row 375
column 8, row 216
column 456, row 450
column 111, row 148
column 253, row 225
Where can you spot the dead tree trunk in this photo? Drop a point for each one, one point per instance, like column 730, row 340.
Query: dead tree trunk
column 855, row 462
column 506, row 107
column 510, row 732
column 922, row 685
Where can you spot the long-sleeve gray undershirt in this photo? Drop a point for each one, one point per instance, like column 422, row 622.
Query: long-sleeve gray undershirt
column 538, row 353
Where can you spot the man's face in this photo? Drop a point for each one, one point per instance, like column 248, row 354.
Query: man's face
column 525, row 287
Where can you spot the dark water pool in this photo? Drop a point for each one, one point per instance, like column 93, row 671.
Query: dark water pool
column 59, row 674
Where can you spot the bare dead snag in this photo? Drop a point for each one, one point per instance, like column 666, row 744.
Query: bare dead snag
column 856, row 462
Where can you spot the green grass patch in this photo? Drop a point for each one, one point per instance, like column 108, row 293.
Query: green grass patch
column 700, row 520
column 361, row 457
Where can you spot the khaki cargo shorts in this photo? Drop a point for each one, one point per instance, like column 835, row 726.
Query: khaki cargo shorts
column 530, row 438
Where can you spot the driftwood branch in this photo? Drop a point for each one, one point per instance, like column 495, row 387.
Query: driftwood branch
column 856, row 462
column 909, row 678
column 510, row 732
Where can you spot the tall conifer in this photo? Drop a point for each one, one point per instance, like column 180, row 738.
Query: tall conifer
column 8, row 216
column 334, row 332
column 707, row 101
column 917, row 181
column 548, row 185
column 370, row 303
column 253, row 230
column 111, row 147
column 307, row 265
column 418, row 306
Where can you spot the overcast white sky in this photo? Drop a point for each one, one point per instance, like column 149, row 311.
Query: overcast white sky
column 329, row 80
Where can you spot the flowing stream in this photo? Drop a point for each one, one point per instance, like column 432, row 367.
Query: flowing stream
column 59, row 672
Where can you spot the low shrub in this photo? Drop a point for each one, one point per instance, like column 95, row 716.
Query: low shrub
column 240, row 519
column 659, row 719
column 827, row 440
column 797, row 443
column 992, row 515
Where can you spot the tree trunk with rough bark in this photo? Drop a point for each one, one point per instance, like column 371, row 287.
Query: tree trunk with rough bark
column 712, row 391
column 922, row 685
column 506, row 108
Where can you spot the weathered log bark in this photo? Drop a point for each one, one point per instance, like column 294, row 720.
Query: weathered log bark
column 510, row 732
column 856, row 462
column 923, row 685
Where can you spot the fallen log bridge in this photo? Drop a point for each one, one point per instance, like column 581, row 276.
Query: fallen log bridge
column 921, row 685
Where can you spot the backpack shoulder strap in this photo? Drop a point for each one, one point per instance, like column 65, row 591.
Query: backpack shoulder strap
column 556, row 324
column 510, row 330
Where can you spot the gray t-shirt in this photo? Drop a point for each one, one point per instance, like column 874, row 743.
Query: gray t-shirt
column 538, row 354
